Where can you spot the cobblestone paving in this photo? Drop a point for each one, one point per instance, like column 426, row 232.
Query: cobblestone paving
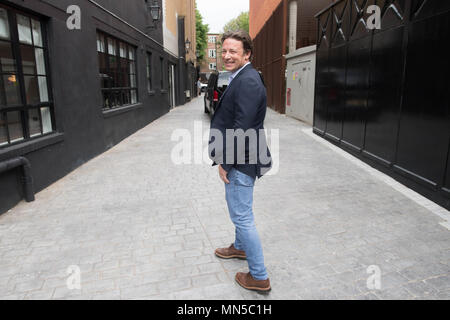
column 140, row 227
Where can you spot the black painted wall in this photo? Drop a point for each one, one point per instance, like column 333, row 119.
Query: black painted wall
column 383, row 95
column 83, row 130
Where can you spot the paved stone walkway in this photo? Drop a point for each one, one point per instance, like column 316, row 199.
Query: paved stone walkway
column 139, row 226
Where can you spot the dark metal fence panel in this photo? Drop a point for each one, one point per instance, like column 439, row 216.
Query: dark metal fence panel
column 424, row 125
column 384, row 94
column 447, row 177
column 306, row 26
column 324, row 93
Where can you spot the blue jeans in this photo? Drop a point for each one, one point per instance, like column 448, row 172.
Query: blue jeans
column 239, row 196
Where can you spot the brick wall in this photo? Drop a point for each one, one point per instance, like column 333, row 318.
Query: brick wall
column 260, row 12
column 204, row 67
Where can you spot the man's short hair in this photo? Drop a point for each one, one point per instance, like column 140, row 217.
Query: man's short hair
column 242, row 36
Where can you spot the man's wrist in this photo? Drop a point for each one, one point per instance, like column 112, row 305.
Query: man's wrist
column 226, row 167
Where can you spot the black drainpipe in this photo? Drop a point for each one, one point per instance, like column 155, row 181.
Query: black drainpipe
column 27, row 179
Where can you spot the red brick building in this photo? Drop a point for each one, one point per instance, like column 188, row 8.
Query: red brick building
column 260, row 12
column 213, row 56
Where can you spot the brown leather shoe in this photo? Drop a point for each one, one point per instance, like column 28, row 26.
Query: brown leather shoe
column 248, row 282
column 230, row 252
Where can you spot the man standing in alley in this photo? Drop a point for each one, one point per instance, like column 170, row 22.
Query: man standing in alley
column 241, row 111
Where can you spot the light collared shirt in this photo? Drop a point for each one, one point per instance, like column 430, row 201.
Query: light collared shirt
column 233, row 75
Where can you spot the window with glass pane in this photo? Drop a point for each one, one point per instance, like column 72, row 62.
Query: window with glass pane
column 24, row 28
column 161, row 77
column 33, row 61
column 34, row 122
column 3, row 129
column 25, row 103
column 46, row 120
column 15, row 126
column 149, row 72
column 4, row 24
column 117, row 71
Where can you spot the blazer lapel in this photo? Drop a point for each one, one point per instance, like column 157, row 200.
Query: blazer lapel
column 229, row 87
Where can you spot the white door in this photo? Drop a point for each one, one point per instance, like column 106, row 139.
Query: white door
column 171, row 85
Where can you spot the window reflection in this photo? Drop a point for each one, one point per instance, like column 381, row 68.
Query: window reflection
column 15, row 126
column 37, row 34
column 10, row 94
column 43, row 90
column 34, row 123
column 28, row 60
column 7, row 62
column 149, row 72
column 31, row 89
column 4, row 25
column 46, row 120
column 40, row 62
column 24, row 29
column 3, row 132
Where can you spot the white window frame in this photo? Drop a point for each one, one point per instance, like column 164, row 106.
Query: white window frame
column 212, row 53
column 212, row 66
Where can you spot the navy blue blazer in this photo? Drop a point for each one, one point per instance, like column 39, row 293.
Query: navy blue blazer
column 242, row 106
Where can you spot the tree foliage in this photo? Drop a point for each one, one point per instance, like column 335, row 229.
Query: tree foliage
column 239, row 23
column 201, row 35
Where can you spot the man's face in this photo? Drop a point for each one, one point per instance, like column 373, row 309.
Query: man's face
column 233, row 55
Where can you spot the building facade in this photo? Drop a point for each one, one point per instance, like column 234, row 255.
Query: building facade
column 275, row 22
column 259, row 13
column 179, row 33
column 213, row 55
column 69, row 93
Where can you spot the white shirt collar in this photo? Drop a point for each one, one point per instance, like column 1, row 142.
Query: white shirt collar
column 233, row 75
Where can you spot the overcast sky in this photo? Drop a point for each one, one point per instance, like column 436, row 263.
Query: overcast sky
column 216, row 13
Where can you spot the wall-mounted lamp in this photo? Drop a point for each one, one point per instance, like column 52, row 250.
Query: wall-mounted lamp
column 188, row 45
column 155, row 12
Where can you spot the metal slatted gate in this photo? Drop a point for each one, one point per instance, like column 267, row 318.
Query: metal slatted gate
column 383, row 95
